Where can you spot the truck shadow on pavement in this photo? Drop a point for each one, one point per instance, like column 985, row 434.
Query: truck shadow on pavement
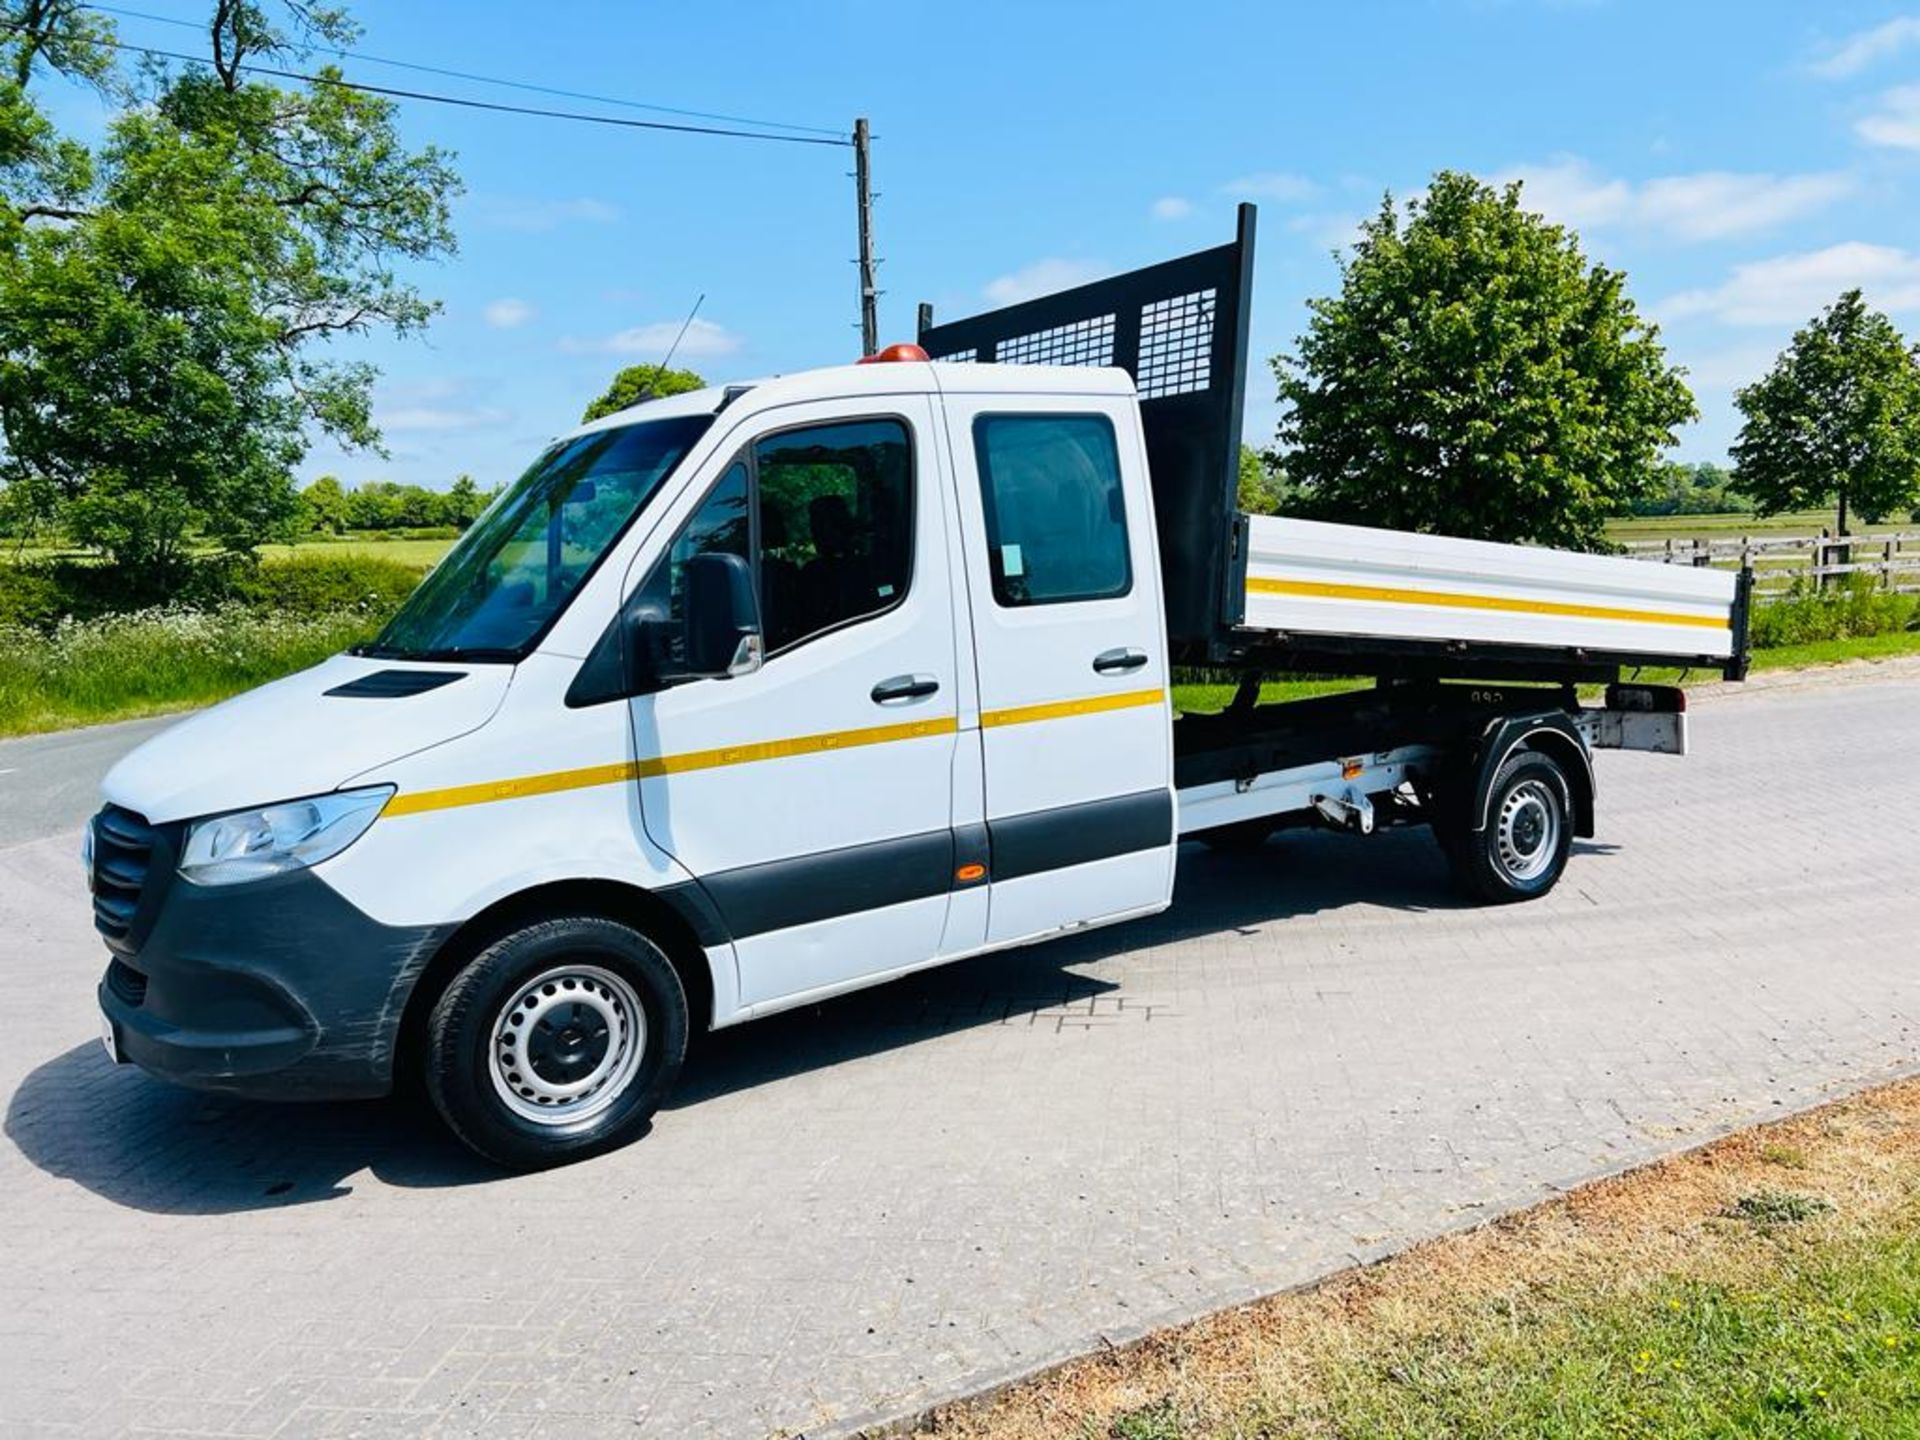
column 146, row 1145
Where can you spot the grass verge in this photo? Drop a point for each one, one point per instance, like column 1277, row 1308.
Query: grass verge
column 1766, row 1285
column 152, row 661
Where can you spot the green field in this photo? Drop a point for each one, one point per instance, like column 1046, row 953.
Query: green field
column 423, row 553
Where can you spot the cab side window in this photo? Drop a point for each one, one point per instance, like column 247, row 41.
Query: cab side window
column 1056, row 517
column 836, row 526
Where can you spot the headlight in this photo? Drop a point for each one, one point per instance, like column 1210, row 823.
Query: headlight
column 86, row 850
column 251, row 844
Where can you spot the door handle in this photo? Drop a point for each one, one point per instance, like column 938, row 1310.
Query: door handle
column 904, row 687
column 1110, row 662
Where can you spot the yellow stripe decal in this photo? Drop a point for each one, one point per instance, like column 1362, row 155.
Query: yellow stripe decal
column 555, row 781
column 1062, row 709
column 1258, row 585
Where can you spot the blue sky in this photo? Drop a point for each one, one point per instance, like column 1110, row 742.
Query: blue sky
column 1744, row 161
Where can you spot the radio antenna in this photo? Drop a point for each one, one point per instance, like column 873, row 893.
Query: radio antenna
column 660, row 369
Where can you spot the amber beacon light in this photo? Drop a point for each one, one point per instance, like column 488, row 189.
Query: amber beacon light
column 893, row 354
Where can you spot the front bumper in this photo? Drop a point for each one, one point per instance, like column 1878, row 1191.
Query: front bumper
column 277, row 988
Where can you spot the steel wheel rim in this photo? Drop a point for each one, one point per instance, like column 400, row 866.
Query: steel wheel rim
column 1527, row 833
column 567, row 1045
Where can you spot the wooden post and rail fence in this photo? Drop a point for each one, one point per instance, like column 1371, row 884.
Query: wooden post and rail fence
column 1892, row 559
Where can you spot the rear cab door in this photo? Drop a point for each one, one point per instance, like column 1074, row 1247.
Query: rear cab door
column 1069, row 645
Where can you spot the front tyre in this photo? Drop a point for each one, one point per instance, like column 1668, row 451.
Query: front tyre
column 557, row 1042
column 1521, row 851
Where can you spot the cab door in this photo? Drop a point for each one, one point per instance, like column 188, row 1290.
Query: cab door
column 812, row 798
column 1070, row 650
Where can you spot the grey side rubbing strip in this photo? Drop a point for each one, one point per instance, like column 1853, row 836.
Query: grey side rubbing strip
column 755, row 899
column 782, row 893
column 1079, row 834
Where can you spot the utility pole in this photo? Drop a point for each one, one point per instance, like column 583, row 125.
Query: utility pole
column 863, row 188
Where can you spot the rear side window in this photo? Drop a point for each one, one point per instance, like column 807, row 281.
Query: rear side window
column 1056, row 519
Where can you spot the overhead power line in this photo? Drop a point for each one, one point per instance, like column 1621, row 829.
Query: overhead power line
column 526, row 85
column 467, row 103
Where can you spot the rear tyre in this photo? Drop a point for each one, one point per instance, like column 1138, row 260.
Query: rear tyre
column 1521, row 851
column 557, row 1042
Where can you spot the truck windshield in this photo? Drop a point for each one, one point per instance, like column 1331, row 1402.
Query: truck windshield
column 511, row 574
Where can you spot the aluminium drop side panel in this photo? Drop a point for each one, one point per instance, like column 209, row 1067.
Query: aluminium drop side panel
column 1180, row 329
column 1306, row 579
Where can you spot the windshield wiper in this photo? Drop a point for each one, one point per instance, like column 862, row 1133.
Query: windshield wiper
column 480, row 654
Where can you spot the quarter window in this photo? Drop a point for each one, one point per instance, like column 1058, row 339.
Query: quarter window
column 720, row 524
column 1056, row 518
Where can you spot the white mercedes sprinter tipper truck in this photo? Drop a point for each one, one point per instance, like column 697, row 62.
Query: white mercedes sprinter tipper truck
column 744, row 698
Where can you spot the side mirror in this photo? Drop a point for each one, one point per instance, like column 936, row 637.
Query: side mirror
column 723, row 634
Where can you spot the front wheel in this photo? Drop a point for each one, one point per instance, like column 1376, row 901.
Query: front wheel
column 557, row 1042
column 1521, row 851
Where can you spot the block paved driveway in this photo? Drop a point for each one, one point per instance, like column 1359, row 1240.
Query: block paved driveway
column 848, row 1212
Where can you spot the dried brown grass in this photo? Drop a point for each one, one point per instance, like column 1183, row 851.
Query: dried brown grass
column 1612, row 1238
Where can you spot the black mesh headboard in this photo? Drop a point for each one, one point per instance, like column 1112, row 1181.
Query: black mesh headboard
column 1180, row 329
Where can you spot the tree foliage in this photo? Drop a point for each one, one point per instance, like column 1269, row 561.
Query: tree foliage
column 1836, row 421
column 164, row 294
column 327, row 507
column 1700, row 489
column 1477, row 376
column 642, row 382
column 1263, row 485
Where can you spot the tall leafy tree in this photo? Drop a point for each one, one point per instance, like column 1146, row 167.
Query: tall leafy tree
column 642, row 382
column 1477, row 376
column 166, row 294
column 1836, row 421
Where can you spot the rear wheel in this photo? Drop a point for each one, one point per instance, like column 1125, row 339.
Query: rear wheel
column 1522, row 849
column 557, row 1042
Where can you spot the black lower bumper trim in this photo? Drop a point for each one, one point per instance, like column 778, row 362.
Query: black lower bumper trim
column 276, row 988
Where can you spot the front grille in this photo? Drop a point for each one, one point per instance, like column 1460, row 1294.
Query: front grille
column 122, row 857
column 126, row 982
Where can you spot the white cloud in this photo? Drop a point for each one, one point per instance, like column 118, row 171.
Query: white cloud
column 1171, row 207
column 652, row 342
column 1272, row 185
column 1896, row 122
column 1043, row 277
column 1791, row 289
column 1570, row 191
column 1333, row 229
column 1855, row 53
column 540, row 216
column 1720, row 372
column 508, row 313
column 1708, row 205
